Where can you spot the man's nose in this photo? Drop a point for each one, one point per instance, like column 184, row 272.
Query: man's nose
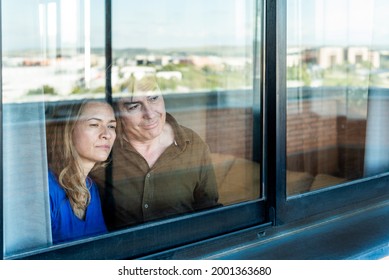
column 148, row 111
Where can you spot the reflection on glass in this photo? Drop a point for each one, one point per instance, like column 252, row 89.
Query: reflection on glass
column 61, row 57
column 189, row 45
column 202, row 55
column 52, row 50
column 337, row 74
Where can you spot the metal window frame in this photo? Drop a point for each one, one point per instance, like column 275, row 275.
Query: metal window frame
column 342, row 197
column 1, row 141
column 170, row 234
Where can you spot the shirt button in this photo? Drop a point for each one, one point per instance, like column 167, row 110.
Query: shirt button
column 148, row 175
column 146, row 205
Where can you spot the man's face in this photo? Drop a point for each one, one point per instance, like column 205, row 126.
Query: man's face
column 143, row 116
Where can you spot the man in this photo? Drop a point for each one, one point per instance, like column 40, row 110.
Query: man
column 159, row 168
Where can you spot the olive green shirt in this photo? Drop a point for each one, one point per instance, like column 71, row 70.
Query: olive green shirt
column 182, row 180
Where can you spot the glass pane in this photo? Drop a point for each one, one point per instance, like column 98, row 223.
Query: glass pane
column 197, row 58
column 337, row 89
column 52, row 54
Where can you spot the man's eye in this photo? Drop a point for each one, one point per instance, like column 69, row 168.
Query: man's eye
column 133, row 107
column 153, row 98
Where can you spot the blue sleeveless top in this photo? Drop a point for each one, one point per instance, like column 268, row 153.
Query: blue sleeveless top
column 66, row 226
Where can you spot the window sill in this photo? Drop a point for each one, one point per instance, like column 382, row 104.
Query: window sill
column 359, row 233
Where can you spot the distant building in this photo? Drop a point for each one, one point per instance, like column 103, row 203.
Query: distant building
column 147, row 60
column 212, row 61
column 384, row 58
column 36, row 62
column 293, row 57
column 169, row 75
column 327, row 57
column 330, row 56
column 357, row 55
column 182, row 60
column 236, row 63
column 137, row 71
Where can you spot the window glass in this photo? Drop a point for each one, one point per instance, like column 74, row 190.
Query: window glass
column 337, row 85
column 200, row 58
column 197, row 60
column 24, row 154
column 52, row 51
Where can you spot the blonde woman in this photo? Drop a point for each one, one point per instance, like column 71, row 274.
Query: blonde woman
column 77, row 145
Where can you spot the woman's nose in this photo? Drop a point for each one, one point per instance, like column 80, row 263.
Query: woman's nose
column 106, row 133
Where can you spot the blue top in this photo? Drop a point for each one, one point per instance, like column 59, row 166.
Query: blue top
column 66, row 226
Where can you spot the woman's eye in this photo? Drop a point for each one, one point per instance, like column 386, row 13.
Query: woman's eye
column 112, row 127
column 93, row 125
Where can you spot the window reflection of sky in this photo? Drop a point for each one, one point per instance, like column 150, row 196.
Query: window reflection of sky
column 202, row 22
column 182, row 23
column 142, row 23
column 337, row 22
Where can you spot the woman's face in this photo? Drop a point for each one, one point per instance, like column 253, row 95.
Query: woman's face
column 94, row 134
column 143, row 116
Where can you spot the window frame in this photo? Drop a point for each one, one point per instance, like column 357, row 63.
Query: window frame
column 1, row 140
column 343, row 196
column 274, row 209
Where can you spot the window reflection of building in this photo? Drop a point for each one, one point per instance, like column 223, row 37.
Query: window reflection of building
column 327, row 57
column 330, row 56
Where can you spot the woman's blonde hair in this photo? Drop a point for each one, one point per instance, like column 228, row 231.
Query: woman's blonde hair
column 63, row 159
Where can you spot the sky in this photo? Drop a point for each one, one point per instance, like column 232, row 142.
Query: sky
column 147, row 23
column 178, row 23
column 338, row 22
column 188, row 23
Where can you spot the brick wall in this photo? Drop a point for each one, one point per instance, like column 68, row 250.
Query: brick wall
column 322, row 140
column 230, row 131
column 319, row 139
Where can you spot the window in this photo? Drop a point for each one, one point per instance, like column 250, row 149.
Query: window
column 336, row 87
column 46, row 57
column 204, row 67
column 335, row 80
column 206, row 59
column 290, row 97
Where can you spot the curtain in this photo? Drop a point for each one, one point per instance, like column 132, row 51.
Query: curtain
column 377, row 133
column 377, row 124
column 25, row 194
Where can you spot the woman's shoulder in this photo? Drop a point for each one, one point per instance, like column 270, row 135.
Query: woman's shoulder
column 53, row 179
column 55, row 188
column 92, row 187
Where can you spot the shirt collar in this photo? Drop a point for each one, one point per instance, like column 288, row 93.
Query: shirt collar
column 181, row 138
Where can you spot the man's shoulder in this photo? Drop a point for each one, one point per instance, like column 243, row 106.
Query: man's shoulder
column 190, row 135
column 188, row 131
column 186, row 136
